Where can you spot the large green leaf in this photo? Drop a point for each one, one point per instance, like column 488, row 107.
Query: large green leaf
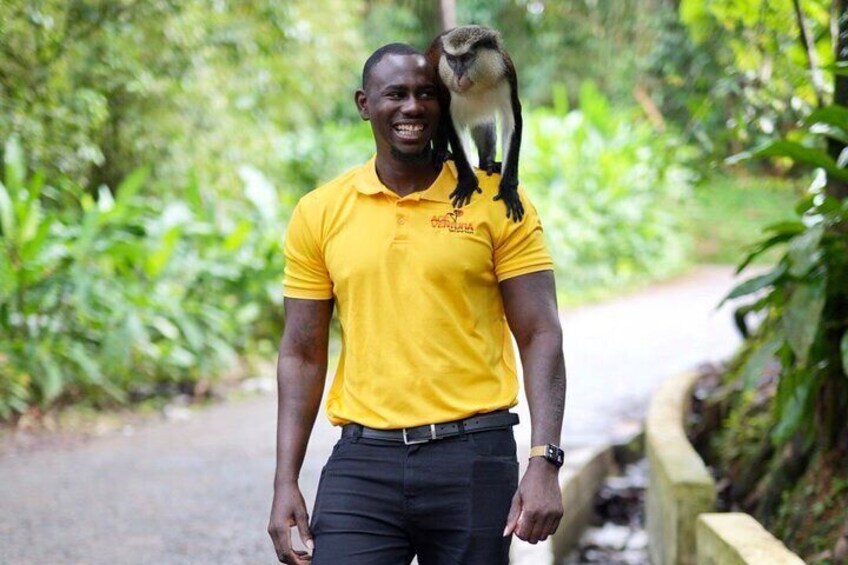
column 756, row 363
column 798, row 153
column 756, row 283
column 792, row 407
column 157, row 260
column 804, row 252
column 762, row 247
column 51, row 380
column 837, row 68
column 130, row 186
column 7, row 214
column 790, row 227
column 801, row 316
column 834, row 115
column 15, row 167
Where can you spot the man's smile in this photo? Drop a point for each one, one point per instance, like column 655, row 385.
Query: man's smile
column 411, row 131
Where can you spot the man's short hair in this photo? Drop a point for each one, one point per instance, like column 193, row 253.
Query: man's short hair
column 390, row 49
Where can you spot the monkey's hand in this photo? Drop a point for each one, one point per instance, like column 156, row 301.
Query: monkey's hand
column 465, row 188
column 508, row 192
column 491, row 167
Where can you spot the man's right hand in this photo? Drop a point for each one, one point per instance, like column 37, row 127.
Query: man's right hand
column 289, row 510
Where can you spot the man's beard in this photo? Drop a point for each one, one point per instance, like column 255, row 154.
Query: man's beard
column 422, row 156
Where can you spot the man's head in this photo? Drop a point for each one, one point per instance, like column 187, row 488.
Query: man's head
column 399, row 98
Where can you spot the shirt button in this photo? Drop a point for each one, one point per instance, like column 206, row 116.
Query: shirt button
column 401, row 220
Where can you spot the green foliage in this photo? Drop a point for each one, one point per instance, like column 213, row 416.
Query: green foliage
column 609, row 190
column 805, row 298
column 98, row 88
column 125, row 296
column 732, row 74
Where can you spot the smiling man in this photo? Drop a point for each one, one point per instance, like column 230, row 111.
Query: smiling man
column 427, row 296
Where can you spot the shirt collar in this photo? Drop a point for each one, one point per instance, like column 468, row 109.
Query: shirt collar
column 367, row 182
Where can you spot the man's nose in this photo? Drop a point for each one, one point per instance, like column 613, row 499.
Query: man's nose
column 412, row 105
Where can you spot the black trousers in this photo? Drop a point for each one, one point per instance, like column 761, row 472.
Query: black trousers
column 445, row 501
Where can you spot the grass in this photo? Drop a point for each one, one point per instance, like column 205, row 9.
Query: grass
column 728, row 212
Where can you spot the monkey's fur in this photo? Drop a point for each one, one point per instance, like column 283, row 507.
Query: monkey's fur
column 479, row 85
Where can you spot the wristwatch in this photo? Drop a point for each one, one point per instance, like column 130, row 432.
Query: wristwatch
column 552, row 453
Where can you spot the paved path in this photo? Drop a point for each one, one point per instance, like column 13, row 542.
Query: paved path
column 198, row 491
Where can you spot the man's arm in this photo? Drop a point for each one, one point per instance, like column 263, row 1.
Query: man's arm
column 531, row 310
column 301, row 369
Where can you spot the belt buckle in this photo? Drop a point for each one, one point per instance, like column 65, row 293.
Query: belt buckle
column 407, row 441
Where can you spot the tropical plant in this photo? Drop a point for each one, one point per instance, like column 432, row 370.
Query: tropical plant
column 608, row 187
column 121, row 297
column 804, row 297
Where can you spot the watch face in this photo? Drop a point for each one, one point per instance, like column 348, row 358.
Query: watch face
column 555, row 455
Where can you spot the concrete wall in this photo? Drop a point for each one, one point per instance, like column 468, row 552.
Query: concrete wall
column 738, row 539
column 580, row 481
column 680, row 487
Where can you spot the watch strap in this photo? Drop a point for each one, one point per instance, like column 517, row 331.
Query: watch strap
column 538, row 451
column 552, row 453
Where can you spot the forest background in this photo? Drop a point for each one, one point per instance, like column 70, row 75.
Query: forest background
column 153, row 151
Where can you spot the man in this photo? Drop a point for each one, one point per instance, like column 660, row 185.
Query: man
column 426, row 464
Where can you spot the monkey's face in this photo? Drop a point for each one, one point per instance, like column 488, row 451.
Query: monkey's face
column 481, row 67
column 459, row 65
column 400, row 100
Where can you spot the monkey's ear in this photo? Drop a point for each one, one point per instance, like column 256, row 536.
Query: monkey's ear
column 362, row 104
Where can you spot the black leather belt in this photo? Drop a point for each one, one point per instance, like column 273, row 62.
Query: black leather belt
column 429, row 432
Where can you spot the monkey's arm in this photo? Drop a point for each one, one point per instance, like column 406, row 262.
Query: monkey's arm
column 467, row 183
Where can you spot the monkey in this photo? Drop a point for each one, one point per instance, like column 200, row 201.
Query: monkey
column 478, row 83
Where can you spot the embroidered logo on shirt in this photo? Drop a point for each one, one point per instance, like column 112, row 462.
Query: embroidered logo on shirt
column 450, row 221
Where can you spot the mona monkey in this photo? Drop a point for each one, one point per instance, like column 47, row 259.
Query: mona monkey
column 478, row 83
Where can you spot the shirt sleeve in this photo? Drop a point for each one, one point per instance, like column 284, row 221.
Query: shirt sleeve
column 306, row 274
column 521, row 248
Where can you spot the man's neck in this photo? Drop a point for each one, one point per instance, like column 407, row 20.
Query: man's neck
column 404, row 178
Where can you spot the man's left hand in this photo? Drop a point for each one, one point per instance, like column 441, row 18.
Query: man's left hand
column 537, row 505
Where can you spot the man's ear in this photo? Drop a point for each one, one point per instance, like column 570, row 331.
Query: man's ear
column 362, row 104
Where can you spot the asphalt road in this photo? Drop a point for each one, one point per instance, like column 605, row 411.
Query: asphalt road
column 198, row 490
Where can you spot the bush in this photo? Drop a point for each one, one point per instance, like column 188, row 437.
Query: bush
column 123, row 296
column 609, row 189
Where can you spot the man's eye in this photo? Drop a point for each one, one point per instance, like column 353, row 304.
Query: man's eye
column 394, row 95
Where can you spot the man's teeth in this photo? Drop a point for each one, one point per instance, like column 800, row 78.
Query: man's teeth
column 408, row 128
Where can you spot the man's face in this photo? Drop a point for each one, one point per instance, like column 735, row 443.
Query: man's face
column 400, row 101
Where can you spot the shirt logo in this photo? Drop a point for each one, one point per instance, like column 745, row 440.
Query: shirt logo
column 450, row 222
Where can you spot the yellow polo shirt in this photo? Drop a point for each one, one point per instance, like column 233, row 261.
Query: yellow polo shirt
column 415, row 282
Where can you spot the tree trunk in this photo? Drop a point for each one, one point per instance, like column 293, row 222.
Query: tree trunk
column 447, row 14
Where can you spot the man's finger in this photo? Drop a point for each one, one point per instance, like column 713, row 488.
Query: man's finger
column 303, row 530
column 552, row 525
column 540, row 530
column 524, row 526
column 512, row 517
column 285, row 542
column 530, row 527
column 299, row 557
